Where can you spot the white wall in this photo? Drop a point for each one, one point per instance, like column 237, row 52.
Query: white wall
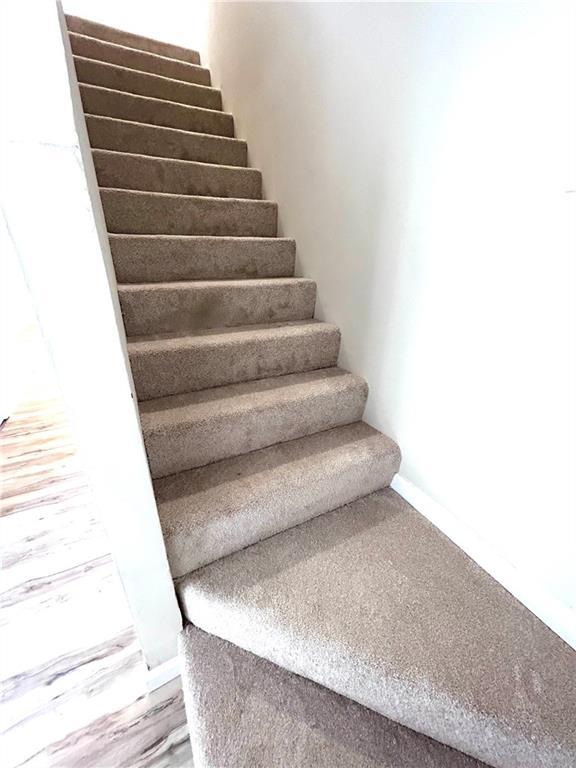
column 422, row 155
column 51, row 206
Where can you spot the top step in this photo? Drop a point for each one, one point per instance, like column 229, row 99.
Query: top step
column 112, row 53
column 129, row 40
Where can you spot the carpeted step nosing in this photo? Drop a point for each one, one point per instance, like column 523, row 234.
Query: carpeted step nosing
column 155, row 308
column 111, row 102
column 139, row 212
column 130, row 170
column 121, row 135
column 197, row 428
column 136, row 82
column 170, row 364
column 175, row 160
column 143, row 61
column 373, row 602
column 213, row 511
column 129, row 39
column 161, row 258
column 214, row 198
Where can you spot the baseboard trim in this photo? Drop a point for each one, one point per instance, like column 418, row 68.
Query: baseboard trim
column 163, row 673
column 547, row 608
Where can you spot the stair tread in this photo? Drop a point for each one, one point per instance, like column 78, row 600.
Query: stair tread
column 157, row 258
column 155, row 100
column 174, row 410
column 191, row 305
column 108, row 45
column 107, row 33
column 142, row 212
column 201, row 198
column 133, row 82
column 177, row 162
column 150, row 77
column 212, row 336
column 200, row 238
column 100, row 101
column 361, row 600
column 209, row 512
column 171, row 363
column 147, row 173
column 220, row 284
column 165, row 128
column 148, row 139
column 197, row 428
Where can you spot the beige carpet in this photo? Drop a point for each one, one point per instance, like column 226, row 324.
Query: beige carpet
column 254, row 436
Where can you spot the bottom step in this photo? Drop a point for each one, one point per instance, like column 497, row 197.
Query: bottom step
column 245, row 712
column 376, row 604
column 209, row 512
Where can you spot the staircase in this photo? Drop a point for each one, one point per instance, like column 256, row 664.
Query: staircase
column 329, row 624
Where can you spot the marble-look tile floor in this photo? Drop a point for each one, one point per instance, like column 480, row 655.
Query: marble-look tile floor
column 72, row 677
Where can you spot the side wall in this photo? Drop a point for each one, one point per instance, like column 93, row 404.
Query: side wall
column 51, row 206
column 422, row 156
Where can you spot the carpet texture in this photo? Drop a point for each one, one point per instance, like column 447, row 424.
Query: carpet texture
column 140, row 212
column 143, row 61
column 146, row 84
column 196, row 428
column 181, row 177
column 245, row 712
column 194, row 305
column 108, row 102
column 268, row 483
column 374, row 603
column 160, row 141
column 212, row 511
column 173, row 363
column 102, row 32
column 159, row 258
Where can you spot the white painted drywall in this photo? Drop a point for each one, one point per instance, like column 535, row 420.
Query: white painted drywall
column 54, row 218
column 423, row 155
column 172, row 21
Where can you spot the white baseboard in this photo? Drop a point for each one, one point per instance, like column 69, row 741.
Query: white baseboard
column 163, row 673
column 546, row 607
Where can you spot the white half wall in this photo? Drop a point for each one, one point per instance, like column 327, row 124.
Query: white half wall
column 423, row 157
column 51, row 206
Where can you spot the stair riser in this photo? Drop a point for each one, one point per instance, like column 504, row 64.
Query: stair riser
column 140, row 109
column 193, row 444
column 107, row 133
column 111, row 53
column 140, row 213
column 213, row 364
column 144, row 84
column 188, row 306
column 176, row 176
column 306, row 488
column 161, row 259
column 112, row 35
column 302, row 724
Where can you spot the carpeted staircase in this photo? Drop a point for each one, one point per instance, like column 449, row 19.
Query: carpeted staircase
column 329, row 624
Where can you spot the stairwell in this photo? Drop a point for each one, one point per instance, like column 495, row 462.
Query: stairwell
column 328, row 623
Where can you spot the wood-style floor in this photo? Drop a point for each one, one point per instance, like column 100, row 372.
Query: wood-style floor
column 72, row 677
